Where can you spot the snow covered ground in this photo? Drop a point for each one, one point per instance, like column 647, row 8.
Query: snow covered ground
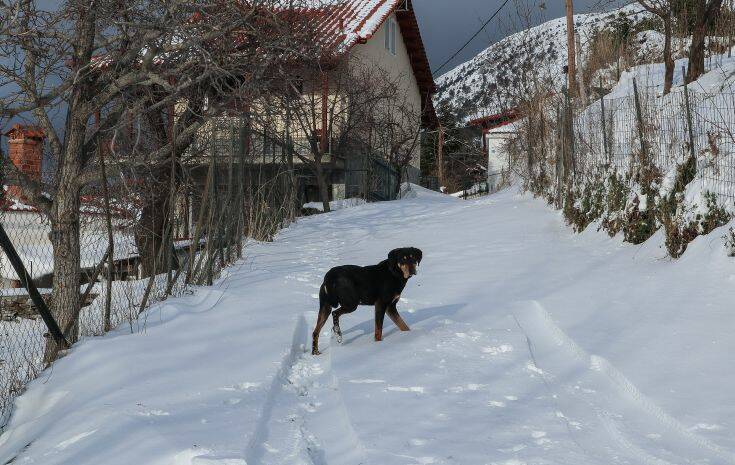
column 529, row 345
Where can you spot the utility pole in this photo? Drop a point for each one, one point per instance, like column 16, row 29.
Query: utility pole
column 571, row 55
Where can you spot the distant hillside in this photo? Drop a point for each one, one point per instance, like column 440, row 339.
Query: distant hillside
column 475, row 88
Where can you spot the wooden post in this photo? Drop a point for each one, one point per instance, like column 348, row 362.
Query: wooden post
column 172, row 202
column 578, row 59
column 639, row 117
column 440, row 156
column 569, row 156
column 688, row 114
column 604, row 127
column 571, row 56
column 559, row 156
column 111, row 253
column 325, row 111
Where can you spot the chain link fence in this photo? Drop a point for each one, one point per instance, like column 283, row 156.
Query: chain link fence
column 666, row 130
column 557, row 147
column 144, row 236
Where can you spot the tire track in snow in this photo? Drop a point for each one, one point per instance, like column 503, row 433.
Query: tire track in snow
column 615, row 413
column 304, row 419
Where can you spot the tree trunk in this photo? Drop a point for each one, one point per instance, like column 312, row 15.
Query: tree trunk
column 397, row 187
column 321, row 182
column 696, row 53
column 150, row 238
column 65, row 296
column 668, row 60
column 705, row 15
column 64, row 217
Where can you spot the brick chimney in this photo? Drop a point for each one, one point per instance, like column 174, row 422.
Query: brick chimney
column 25, row 149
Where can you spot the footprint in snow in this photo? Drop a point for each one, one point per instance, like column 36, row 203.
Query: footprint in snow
column 154, row 413
column 217, row 460
column 501, row 349
column 705, row 426
column 468, row 387
column 417, row 389
column 246, row 386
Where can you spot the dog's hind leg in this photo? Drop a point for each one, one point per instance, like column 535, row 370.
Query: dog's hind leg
column 335, row 318
column 392, row 312
column 324, row 312
column 379, row 317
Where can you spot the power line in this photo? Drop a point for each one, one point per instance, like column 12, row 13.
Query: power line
column 471, row 38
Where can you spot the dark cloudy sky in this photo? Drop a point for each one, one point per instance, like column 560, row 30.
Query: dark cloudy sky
column 447, row 24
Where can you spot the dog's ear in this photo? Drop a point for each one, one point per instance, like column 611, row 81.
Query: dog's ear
column 393, row 262
column 419, row 255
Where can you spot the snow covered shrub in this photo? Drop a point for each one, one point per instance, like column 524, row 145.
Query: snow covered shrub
column 714, row 216
column 730, row 242
column 689, row 221
column 586, row 204
column 640, row 215
column 539, row 183
column 616, row 197
column 676, row 234
column 671, row 210
column 640, row 220
column 572, row 211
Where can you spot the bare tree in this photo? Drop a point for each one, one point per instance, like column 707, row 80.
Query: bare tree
column 332, row 113
column 397, row 125
column 106, row 67
column 664, row 9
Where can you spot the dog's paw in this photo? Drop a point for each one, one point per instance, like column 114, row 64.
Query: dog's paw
column 337, row 334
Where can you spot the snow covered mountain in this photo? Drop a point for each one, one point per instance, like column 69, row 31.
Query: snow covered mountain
column 474, row 88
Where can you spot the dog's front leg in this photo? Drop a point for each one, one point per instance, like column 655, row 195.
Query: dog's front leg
column 393, row 314
column 379, row 316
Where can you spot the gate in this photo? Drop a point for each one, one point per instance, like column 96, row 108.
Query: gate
column 371, row 178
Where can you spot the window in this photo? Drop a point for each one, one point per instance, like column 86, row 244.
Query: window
column 390, row 35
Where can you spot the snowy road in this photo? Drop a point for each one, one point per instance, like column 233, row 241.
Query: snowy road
column 529, row 345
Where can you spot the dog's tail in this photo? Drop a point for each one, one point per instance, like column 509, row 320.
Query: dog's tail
column 325, row 298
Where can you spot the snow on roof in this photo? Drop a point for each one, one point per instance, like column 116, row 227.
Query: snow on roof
column 342, row 24
column 348, row 22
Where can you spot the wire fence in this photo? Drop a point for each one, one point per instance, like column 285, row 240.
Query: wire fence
column 144, row 236
column 663, row 130
column 157, row 230
column 555, row 147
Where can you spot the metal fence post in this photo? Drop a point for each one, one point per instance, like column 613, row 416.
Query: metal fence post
column 33, row 293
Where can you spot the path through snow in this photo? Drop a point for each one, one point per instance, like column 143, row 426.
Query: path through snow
column 529, row 345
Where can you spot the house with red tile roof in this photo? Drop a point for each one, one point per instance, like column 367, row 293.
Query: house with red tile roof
column 379, row 35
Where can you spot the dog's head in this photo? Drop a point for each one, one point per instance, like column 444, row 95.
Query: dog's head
column 403, row 262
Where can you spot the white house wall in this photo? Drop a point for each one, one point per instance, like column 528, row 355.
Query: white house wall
column 373, row 52
column 498, row 159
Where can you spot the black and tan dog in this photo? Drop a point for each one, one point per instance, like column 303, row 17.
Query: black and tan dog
column 381, row 285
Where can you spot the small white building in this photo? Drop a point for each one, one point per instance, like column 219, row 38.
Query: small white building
column 496, row 130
